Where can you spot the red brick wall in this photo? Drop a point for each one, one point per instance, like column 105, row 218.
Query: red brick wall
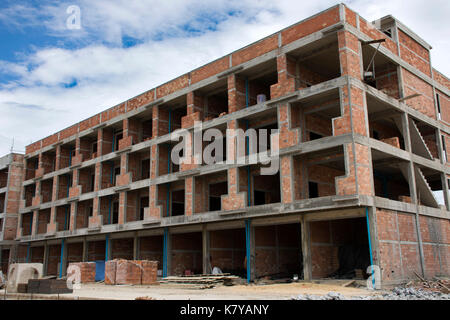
column 413, row 53
column 227, row 250
column 399, row 251
column 423, row 103
column 122, row 249
column 277, row 250
column 186, row 253
column 327, row 236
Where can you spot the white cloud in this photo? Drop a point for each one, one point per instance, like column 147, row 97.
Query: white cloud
column 37, row 104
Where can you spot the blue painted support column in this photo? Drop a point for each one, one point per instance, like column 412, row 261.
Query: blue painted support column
column 370, row 244
column 107, row 257
column 249, row 249
column 61, row 261
column 166, row 253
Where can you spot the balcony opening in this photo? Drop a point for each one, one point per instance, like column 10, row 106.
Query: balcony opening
column 84, row 211
column 3, row 178
column 256, row 82
column 390, row 177
column 314, row 115
column 43, row 221
column 31, row 166
column 385, row 123
column 86, row 179
column 213, row 99
column 315, row 173
column 261, row 189
column 88, row 146
column 109, row 209
column 177, row 202
column 315, row 63
column 46, row 190
column 135, row 200
column 27, row 224
column 63, row 217
column 208, row 190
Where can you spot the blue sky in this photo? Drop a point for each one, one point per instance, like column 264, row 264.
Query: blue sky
column 52, row 77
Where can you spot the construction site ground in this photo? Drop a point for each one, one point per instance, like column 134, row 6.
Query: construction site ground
column 281, row 291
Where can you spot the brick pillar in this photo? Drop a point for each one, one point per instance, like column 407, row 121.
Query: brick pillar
column 286, row 68
column 73, row 215
column 75, row 189
column 34, row 222
column 58, row 158
column 234, row 199
column 358, row 178
column 195, row 110
column 160, row 125
column 52, row 226
column 349, row 54
column 104, row 141
column 189, row 196
column 358, row 163
column 96, row 220
column 236, row 93
column 130, row 133
column 122, row 207
column 37, row 194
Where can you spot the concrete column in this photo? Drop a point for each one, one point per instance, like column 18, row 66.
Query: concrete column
column 306, row 249
column 250, row 250
column 12, row 254
column 46, row 253
column 167, row 253
column 136, row 247
column 445, row 190
column 73, row 216
column 405, row 131
column 63, row 259
column 34, row 222
column 415, row 200
column 205, row 250
column 108, row 248
column 84, row 257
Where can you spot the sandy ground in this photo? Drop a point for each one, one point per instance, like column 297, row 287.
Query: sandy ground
column 176, row 292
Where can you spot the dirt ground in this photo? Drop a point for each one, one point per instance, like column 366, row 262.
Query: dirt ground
column 178, row 292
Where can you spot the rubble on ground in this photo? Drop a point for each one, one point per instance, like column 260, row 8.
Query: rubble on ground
column 398, row 293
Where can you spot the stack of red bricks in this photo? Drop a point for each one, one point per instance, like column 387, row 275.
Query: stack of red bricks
column 87, row 271
column 135, row 272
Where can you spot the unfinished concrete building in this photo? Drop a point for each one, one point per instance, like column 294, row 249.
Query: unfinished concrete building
column 363, row 122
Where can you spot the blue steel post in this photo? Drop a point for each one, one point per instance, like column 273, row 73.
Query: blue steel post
column 107, row 247
column 165, row 253
column 370, row 245
column 61, row 259
column 247, row 245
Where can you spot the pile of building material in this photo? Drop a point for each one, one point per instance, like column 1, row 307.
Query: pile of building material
column 86, row 271
column 204, row 280
column 20, row 273
column 48, row 286
column 134, row 272
column 435, row 285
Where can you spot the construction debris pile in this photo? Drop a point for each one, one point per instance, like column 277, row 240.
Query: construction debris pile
column 433, row 290
column 131, row 272
column 204, row 281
